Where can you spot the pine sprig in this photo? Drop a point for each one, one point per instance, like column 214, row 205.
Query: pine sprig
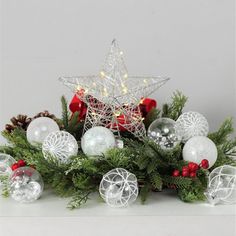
column 175, row 108
column 65, row 112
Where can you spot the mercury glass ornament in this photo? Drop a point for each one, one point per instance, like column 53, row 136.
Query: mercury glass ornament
column 222, row 185
column 6, row 161
column 60, row 145
column 162, row 131
column 191, row 124
column 119, row 188
column 97, row 140
column 198, row 148
column 39, row 129
column 25, row 185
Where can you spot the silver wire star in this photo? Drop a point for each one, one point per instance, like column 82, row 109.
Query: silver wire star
column 113, row 96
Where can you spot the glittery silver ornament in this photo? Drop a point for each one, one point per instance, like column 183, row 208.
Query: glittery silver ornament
column 60, row 145
column 191, row 124
column 39, row 129
column 119, row 188
column 25, row 185
column 222, row 185
column 162, row 131
column 97, row 140
column 6, row 161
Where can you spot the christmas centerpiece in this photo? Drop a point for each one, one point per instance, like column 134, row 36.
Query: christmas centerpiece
column 112, row 139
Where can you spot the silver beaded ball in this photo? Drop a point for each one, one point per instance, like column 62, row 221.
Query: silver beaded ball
column 162, row 132
column 25, row 185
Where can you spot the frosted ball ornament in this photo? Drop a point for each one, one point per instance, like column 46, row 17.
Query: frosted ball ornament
column 198, row 148
column 119, row 188
column 162, row 131
column 39, row 129
column 222, row 185
column 60, row 145
column 25, row 185
column 191, row 124
column 97, row 140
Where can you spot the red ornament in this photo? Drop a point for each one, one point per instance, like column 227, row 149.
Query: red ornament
column 193, row 174
column 193, row 167
column 77, row 105
column 21, row 163
column 176, row 173
column 204, row 164
column 15, row 166
column 146, row 105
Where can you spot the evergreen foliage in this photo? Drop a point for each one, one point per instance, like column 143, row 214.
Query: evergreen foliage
column 151, row 165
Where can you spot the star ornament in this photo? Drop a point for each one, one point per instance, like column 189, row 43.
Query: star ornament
column 113, row 96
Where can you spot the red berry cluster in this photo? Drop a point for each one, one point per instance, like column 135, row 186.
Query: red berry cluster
column 18, row 164
column 191, row 169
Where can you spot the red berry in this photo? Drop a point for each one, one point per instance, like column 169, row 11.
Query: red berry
column 176, row 173
column 204, row 164
column 193, row 174
column 185, row 173
column 21, row 163
column 185, row 168
column 192, row 166
column 15, row 166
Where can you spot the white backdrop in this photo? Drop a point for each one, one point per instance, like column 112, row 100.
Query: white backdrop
column 193, row 42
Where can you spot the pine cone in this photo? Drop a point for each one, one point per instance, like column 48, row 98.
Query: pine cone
column 45, row 114
column 49, row 115
column 20, row 121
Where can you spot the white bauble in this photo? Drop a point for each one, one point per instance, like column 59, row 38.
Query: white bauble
column 39, row 129
column 198, row 148
column 60, row 145
column 191, row 124
column 97, row 140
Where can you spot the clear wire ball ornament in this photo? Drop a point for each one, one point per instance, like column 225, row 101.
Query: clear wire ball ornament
column 25, row 185
column 97, row 140
column 119, row 188
column 222, row 185
column 162, row 132
column 191, row 124
column 39, row 129
column 60, row 145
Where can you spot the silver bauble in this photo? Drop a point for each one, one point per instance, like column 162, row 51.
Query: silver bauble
column 97, row 140
column 162, row 131
column 25, row 185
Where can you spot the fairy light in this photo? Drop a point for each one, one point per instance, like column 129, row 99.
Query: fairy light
column 102, row 73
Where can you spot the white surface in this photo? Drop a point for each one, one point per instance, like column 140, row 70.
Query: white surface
column 193, row 42
column 163, row 213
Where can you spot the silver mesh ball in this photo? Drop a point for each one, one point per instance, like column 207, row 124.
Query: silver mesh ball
column 60, row 145
column 119, row 188
column 191, row 124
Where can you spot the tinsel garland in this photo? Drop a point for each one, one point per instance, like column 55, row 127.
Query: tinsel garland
column 152, row 166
